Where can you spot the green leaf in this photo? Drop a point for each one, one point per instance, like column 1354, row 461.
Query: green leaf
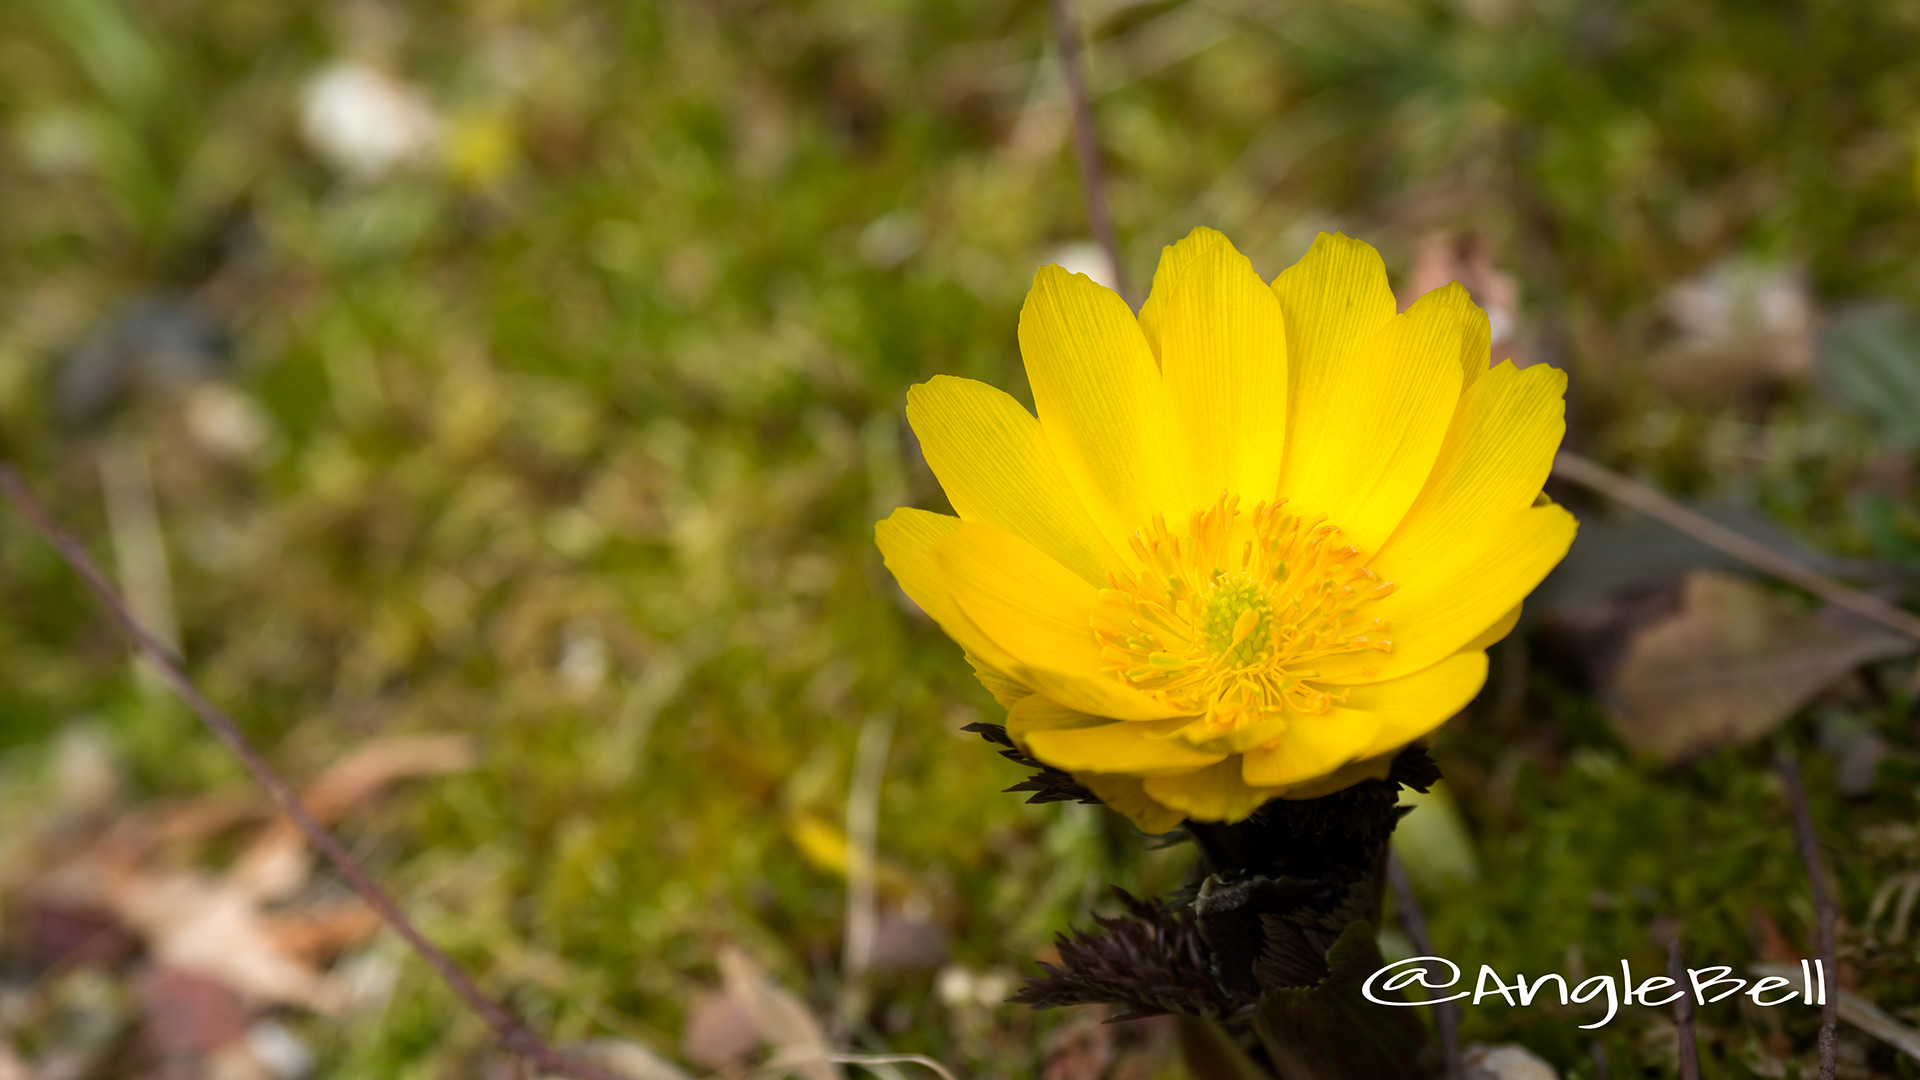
column 1433, row 841
column 1330, row 1031
column 1870, row 359
column 1210, row 1053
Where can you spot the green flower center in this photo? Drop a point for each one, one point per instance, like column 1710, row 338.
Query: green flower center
column 1236, row 620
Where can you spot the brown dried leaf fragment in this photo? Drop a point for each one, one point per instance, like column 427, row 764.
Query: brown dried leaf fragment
column 1730, row 665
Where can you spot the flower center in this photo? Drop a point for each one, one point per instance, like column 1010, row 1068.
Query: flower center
column 1227, row 619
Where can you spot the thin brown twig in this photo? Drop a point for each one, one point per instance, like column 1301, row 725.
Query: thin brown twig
column 513, row 1035
column 1630, row 492
column 1825, row 911
column 1683, row 1013
column 1093, row 177
column 1446, row 1015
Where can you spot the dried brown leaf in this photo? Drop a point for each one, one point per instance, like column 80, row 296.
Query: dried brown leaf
column 323, row 930
column 1469, row 259
column 224, row 927
column 74, row 934
column 784, row 1021
column 190, row 1014
column 274, row 867
column 904, row 944
column 363, row 774
column 720, row 1032
column 633, row 1060
column 204, row 925
column 1730, row 665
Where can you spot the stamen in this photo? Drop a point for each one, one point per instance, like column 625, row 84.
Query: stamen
column 1233, row 639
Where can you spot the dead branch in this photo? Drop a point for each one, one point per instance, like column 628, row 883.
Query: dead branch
column 1629, row 492
column 1683, row 1014
column 1093, row 177
column 1826, row 912
column 1446, row 1014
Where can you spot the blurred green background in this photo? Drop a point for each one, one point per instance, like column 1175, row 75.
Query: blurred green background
column 532, row 370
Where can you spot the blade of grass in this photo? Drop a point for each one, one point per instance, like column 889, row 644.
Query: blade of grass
column 895, row 1059
column 863, row 826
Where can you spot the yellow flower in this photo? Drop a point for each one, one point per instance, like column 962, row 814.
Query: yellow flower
column 1258, row 539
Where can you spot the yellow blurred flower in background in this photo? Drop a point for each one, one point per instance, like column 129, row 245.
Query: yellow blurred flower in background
column 1259, row 537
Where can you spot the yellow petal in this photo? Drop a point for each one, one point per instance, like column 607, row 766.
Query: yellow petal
column 1332, row 301
column 1412, row 707
column 1175, row 261
column 1257, row 729
column 1498, row 451
column 1128, row 796
column 1006, row 689
column 1039, row 713
column 1215, row 793
column 1069, row 739
column 1374, row 719
column 1496, row 633
column 1032, row 607
column 1374, row 768
column 820, row 842
column 1452, row 592
column 1311, row 747
column 1036, row 613
column 1476, row 348
column 906, row 540
column 1223, row 363
column 1098, row 394
column 1473, row 544
column 1365, row 436
column 994, row 463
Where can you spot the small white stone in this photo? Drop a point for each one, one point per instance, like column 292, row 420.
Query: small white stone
column 1085, row 257
column 226, row 422
column 992, row 988
column 279, row 1050
column 891, row 239
column 1508, row 1061
column 583, row 658
column 365, row 122
column 954, row 986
